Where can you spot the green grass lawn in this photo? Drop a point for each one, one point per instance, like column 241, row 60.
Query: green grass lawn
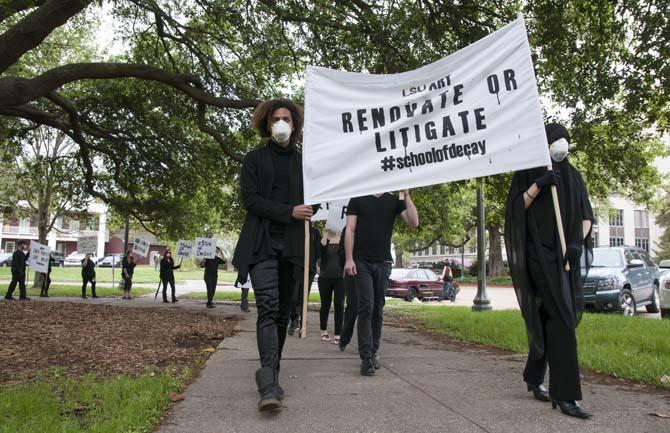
column 53, row 404
column 627, row 347
column 143, row 274
column 496, row 281
column 70, row 291
column 235, row 296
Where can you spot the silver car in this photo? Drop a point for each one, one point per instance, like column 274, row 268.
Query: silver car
column 664, row 281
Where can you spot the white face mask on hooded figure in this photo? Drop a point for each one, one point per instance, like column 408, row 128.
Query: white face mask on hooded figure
column 281, row 131
column 559, row 149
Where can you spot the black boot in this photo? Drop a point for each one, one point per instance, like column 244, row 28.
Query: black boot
column 265, row 380
column 539, row 392
column 367, row 368
column 571, row 408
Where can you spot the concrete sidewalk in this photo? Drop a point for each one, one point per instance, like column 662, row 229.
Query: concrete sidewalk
column 423, row 386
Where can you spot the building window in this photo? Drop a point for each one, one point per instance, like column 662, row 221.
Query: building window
column 10, row 246
column 616, row 228
column 34, row 221
column 65, row 223
column 443, row 249
column 434, row 250
column 642, row 229
column 596, row 238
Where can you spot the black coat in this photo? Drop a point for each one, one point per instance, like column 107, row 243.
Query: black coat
column 128, row 267
column 167, row 266
column 254, row 244
column 19, row 262
column 212, row 267
column 88, row 271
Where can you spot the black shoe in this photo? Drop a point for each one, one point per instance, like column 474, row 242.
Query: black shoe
column 165, row 301
column 174, row 300
column 342, row 346
column 367, row 368
column 84, row 297
column 375, row 361
column 265, row 380
column 95, row 296
column 244, row 308
column 539, row 392
column 25, row 298
column 290, row 329
column 10, row 298
column 210, row 305
column 571, row 408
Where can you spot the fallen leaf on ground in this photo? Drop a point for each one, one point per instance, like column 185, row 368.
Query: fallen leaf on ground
column 176, row 397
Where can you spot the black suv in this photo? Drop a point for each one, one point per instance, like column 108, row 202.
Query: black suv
column 622, row 279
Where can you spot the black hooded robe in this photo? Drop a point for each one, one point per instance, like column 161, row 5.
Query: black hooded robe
column 550, row 299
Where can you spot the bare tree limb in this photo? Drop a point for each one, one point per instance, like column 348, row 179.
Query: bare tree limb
column 12, row 7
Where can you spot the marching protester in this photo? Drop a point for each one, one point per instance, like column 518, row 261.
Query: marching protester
column 244, row 299
column 88, row 275
column 166, row 273
column 331, row 284
column 449, row 289
column 271, row 244
column 46, row 282
column 212, row 274
column 127, row 270
column 370, row 222
column 548, row 285
column 19, row 262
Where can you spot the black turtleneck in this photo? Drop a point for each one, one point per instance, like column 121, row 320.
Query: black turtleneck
column 280, row 186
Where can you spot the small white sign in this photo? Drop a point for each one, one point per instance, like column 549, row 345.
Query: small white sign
column 184, row 248
column 87, row 245
column 205, row 248
column 39, row 257
column 141, row 247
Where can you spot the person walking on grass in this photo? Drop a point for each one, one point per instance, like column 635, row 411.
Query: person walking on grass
column 88, row 276
column 19, row 263
column 167, row 269
column 370, row 222
column 127, row 270
column 211, row 267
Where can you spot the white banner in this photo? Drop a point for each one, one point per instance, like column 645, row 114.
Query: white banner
column 141, row 247
column 337, row 215
column 39, row 257
column 184, row 248
column 474, row 113
column 87, row 245
column 205, row 248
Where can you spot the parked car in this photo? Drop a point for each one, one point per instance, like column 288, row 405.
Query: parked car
column 664, row 284
column 111, row 260
column 414, row 283
column 5, row 259
column 58, row 258
column 75, row 258
column 622, row 279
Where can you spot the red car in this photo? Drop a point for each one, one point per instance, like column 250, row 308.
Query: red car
column 414, row 283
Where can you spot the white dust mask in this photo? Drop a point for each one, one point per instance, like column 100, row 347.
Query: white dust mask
column 281, row 131
column 559, row 149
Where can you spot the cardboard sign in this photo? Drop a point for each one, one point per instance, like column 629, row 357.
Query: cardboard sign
column 205, row 248
column 39, row 257
column 184, row 248
column 141, row 247
column 87, row 245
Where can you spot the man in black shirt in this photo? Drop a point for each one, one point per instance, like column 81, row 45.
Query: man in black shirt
column 271, row 245
column 370, row 221
column 88, row 274
column 19, row 262
column 212, row 275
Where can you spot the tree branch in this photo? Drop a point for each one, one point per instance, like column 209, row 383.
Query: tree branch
column 13, row 7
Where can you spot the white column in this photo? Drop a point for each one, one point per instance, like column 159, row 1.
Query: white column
column 1, row 230
column 102, row 234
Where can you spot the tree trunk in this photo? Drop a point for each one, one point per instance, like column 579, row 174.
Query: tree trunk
column 495, row 252
column 399, row 250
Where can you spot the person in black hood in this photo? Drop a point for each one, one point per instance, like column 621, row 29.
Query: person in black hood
column 88, row 275
column 271, row 244
column 212, row 274
column 19, row 262
column 166, row 272
column 547, row 283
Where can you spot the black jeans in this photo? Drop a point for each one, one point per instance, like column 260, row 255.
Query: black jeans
column 127, row 284
column 351, row 312
column 274, row 286
column 85, row 283
column 46, row 283
column 21, row 281
column 169, row 281
column 296, row 302
column 210, row 283
column 328, row 286
column 560, row 348
column 371, row 281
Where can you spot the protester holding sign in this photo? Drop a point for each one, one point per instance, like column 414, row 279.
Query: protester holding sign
column 88, row 275
column 271, row 244
column 212, row 274
column 370, row 222
column 167, row 275
column 127, row 270
column 19, row 262
column 46, row 283
column 331, row 283
column 550, row 295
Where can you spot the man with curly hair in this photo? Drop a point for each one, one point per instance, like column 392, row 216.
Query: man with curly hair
column 271, row 245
